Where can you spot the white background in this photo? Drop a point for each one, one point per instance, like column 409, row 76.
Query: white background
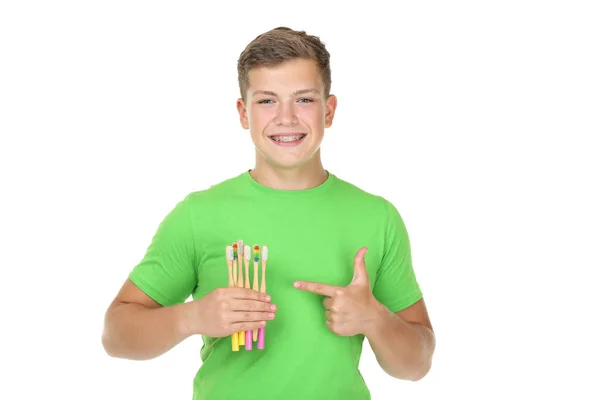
column 478, row 120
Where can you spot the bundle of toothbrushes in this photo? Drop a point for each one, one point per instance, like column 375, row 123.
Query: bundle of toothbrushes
column 236, row 254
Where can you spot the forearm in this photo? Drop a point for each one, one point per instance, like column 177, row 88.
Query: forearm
column 404, row 350
column 133, row 331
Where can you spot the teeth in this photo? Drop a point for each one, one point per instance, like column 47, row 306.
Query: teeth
column 288, row 138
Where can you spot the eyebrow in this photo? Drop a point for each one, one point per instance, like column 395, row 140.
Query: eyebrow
column 297, row 92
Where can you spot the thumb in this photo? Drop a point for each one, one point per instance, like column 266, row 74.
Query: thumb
column 361, row 276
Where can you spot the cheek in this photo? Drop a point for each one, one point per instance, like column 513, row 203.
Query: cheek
column 312, row 116
column 260, row 118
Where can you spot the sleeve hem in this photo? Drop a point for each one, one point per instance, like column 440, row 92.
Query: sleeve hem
column 406, row 302
column 150, row 291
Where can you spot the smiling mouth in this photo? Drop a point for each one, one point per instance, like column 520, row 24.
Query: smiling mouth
column 288, row 140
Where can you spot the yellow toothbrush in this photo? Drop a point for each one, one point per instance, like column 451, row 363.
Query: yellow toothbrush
column 238, row 249
column 229, row 254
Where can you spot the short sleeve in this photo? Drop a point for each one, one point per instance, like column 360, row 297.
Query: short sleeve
column 167, row 272
column 396, row 285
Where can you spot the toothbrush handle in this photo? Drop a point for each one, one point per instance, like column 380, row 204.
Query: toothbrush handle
column 261, row 338
column 263, row 289
column 263, row 284
column 235, row 346
column 248, row 340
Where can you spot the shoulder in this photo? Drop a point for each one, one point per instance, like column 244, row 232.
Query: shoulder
column 375, row 209
column 215, row 193
column 350, row 192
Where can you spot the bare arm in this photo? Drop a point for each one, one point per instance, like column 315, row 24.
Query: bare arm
column 403, row 342
column 137, row 327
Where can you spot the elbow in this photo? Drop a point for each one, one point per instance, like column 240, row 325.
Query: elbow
column 107, row 343
column 412, row 373
column 413, row 376
column 419, row 373
column 421, row 370
column 108, row 346
column 110, row 340
column 116, row 349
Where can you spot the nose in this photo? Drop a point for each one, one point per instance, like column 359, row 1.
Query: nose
column 286, row 114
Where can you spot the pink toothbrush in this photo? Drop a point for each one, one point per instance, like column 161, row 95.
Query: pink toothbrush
column 246, row 254
column 263, row 289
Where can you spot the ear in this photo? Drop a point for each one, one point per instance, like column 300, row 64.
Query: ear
column 241, row 107
column 330, row 106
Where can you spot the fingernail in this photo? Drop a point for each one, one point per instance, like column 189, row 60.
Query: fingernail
column 273, row 307
column 296, row 284
column 271, row 315
column 268, row 298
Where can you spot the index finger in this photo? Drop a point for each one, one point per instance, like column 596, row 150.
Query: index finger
column 249, row 294
column 316, row 287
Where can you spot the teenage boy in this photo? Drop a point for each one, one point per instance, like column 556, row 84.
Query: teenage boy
column 339, row 262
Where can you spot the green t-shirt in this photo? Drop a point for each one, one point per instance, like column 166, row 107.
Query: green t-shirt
column 311, row 235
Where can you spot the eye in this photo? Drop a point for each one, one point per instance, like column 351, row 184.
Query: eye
column 305, row 100
column 265, row 101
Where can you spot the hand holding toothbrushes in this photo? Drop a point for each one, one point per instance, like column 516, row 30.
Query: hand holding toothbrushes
column 226, row 311
column 349, row 310
column 236, row 310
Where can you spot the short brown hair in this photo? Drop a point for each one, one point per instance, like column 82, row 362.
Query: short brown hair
column 279, row 45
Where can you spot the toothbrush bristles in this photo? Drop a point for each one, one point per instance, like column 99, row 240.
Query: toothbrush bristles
column 265, row 253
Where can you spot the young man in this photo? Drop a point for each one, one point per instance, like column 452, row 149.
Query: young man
column 339, row 263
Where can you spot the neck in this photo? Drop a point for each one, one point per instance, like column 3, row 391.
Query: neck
column 307, row 176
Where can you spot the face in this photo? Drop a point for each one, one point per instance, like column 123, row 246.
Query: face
column 286, row 112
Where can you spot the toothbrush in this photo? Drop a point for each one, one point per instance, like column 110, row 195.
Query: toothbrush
column 263, row 289
column 247, row 260
column 229, row 255
column 246, row 253
column 240, row 244
column 235, row 254
column 238, row 249
column 256, row 257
